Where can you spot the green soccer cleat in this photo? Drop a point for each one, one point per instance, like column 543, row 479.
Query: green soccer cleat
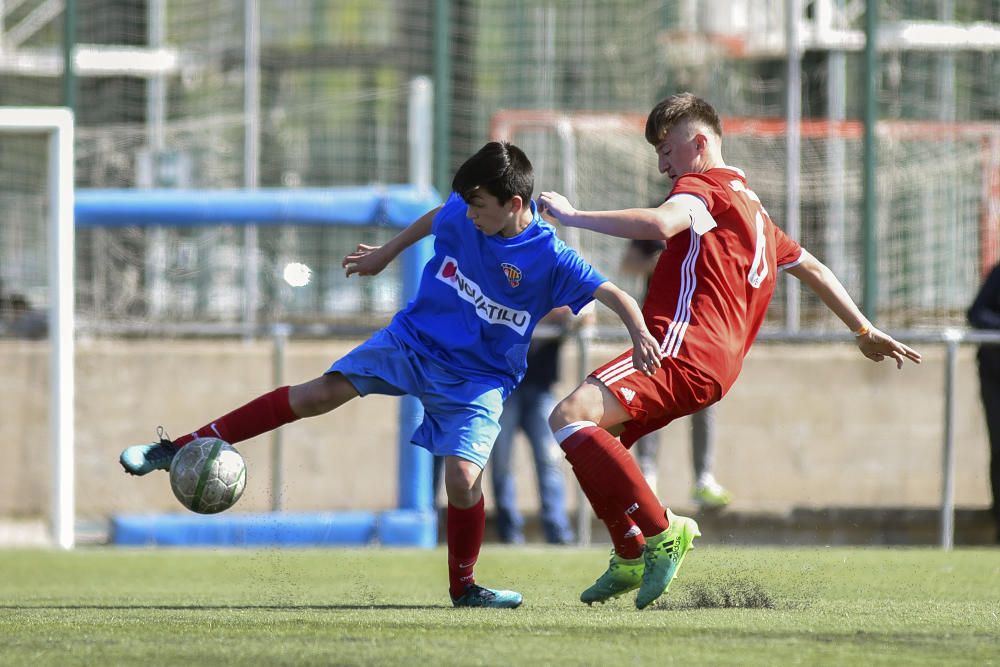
column 663, row 556
column 622, row 576
column 479, row 596
column 709, row 494
column 144, row 459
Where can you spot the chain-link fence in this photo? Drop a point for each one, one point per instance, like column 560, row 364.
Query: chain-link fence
column 313, row 93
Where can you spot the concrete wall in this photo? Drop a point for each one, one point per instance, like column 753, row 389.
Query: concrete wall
column 805, row 426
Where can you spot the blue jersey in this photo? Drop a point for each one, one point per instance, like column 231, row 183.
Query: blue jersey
column 481, row 296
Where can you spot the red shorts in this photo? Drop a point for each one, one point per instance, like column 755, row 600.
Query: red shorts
column 676, row 389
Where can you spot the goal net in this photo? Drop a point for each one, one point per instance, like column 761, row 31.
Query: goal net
column 938, row 189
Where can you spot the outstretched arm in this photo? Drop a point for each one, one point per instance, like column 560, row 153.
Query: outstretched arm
column 645, row 349
column 368, row 260
column 874, row 344
column 663, row 222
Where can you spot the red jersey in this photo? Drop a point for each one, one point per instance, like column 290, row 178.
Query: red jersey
column 711, row 287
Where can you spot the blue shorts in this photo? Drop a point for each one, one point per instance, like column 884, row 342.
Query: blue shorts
column 461, row 417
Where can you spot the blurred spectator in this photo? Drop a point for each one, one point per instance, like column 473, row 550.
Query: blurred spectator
column 639, row 260
column 20, row 320
column 984, row 313
column 527, row 409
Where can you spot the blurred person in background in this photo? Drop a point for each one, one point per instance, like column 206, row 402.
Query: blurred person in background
column 527, row 409
column 18, row 319
column 984, row 313
column 639, row 259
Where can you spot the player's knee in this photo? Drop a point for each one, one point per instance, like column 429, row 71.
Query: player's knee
column 566, row 412
column 462, row 482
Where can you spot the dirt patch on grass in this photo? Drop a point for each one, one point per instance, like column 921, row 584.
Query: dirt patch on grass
column 730, row 593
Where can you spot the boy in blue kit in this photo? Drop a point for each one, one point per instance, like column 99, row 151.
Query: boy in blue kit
column 460, row 345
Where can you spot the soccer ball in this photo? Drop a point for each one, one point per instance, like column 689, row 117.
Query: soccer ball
column 208, row 475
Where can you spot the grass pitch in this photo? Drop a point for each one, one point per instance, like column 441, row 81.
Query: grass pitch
column 746, row 606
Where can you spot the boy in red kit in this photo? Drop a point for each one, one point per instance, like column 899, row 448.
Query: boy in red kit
column 707, row 299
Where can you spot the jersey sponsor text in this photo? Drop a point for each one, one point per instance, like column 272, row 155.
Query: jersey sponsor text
column 486, row 308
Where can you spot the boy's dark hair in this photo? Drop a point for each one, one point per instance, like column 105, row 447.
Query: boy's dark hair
column 500, row 168
column 678, row 108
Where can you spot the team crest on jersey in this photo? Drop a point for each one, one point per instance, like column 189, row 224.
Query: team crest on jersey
column 513, row 274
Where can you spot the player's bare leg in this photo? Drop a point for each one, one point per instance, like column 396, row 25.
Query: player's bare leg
column 463, row 482
column 321, row 395
column 592, row 402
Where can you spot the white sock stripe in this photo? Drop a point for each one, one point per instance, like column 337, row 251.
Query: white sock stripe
column 570, row 429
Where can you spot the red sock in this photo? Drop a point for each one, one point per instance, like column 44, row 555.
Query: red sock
column 465, row 537
column 625, row 535
column 262, row 414
column 612, row 473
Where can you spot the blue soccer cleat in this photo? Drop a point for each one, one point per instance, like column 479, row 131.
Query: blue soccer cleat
column 143, row 459
column 478, row 596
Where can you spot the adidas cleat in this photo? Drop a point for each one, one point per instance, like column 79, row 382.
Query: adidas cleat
column 144, row 459
column 663, row 556
column 622, row 576
column 479, row 596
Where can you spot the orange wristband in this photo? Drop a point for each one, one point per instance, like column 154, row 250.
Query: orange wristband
column 863, row 331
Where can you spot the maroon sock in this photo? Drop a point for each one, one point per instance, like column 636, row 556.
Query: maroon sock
column 625, row 535
column 465, row 537
column 612, row 473
column 262, row 414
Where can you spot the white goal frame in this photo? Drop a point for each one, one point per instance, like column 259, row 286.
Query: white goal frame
column 57, row 125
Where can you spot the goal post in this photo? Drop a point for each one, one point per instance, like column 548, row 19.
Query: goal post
column 57, row 125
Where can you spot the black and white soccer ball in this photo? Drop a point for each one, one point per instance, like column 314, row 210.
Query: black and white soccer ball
column 208, row 475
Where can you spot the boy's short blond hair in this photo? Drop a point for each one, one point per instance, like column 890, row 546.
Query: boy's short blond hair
column 676, row 109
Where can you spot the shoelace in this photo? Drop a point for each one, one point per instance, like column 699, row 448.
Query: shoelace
column 666, row 548
column 618, row 565
column 482, row 593
column 166, row 448
column 613, row 567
